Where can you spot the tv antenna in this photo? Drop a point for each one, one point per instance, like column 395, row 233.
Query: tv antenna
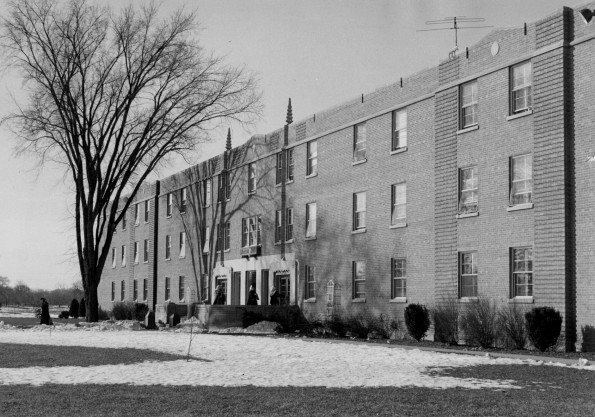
column 454, row 21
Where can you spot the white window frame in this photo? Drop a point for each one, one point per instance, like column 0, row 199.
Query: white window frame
column 169, row 205
column 398, row 204
column 136, row 251
column 290, row 165
column 468, row 271
column 122, row 290
column 280, row 162
column 251, row 230
column 251, row 178
column 145, row 289
column 123, row 263
column 167, row 293
column 114, row 256
column 207, row 241
column 310, row 279
column 398, row 278
column 288, row 224
column 399, row 136
column 181, row 288
column 312, row 158
column 146, row 250
column 137, row 214
column 311, row 220
column 359, row 278
column 359, row 142
column 468, row 190
column 135, row 290
column 167, row 247
column 207, row 192
column 469, row 104
column 521, row 87
column 147, row 210
column 515, row 183
column 517, row 272
column 113, row 290
column 184, row 200
column 182, row 244
column 359, row 211
column 278, row 226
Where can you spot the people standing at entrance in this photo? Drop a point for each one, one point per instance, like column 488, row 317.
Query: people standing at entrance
column 276, row 297
column 219, row 296
column 45, row 312
column 252, row 297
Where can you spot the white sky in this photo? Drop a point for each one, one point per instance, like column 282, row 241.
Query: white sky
column 319, row 53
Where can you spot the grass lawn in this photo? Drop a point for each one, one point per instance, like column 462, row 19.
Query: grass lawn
column 32, row 321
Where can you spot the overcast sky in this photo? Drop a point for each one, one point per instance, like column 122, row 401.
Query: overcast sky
column 319, row 53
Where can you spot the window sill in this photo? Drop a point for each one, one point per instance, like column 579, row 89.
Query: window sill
column 227, row 250
column 358, row 231
column 398, row 300
column 136, row 224
column 146, row 222
column 123, row 266
column 168, row 216
column 289, row 182
column 251, row 192
column 467, row 129
column 136, row 263
column 310, row 300
column 465, row 215
column 277, row 243
column 182, row 257
column 278, row 185
column 315, row 174
column 182, row 212
column 521, row 300
column 358, row 300
column 167, row 259
column 310, row 238
column 520, row 207
column 469, row 300
column 520, row 114
column 398, row 225
column 289, row 241
column 361, row 161
column 399, row 150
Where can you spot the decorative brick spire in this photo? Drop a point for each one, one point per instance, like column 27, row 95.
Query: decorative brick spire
column 289, row 119
column 228, row 143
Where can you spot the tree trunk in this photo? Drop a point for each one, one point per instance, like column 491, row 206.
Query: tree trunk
column 92, row 302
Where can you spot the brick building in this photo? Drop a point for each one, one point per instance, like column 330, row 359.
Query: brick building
column 472, row 178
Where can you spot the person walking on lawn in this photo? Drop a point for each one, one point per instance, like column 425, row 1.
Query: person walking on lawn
column 45, row 312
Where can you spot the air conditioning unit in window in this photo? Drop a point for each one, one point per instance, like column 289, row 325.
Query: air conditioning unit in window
column 249, row 251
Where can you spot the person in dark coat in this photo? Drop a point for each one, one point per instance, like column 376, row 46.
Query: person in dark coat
column 252, row 297
column 45, row 312
column 276, row 297
column 219, row 296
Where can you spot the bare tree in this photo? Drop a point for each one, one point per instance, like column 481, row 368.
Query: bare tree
column 111, row 95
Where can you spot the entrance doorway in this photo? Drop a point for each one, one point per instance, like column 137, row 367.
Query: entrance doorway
column 236, row 286
column 282, row 283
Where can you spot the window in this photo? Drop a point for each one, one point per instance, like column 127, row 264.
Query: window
column 168, row 247
column 147, row 210
column 224, row 192
column 289, row 224
column 113, row 291
column 359, row 142
column 206, row 193
column 468, row 274
column 136, row 250
column 311, row 220
column 113, row 257
column 522, row 272
column 135, row 290
column 469, row 104
column 310, row 282
column 207, row 240
column 146, row 251
column 399, row 204
column 312, row 163
column 167, row 288
column 278, row 226
column 280, row 161
column 122, row 290
column 399, row 278
column 136, row 214
column 468, row 190
column 124, row 221
column 359, row 280
column 359, row 211
column 520, row 94
column 181, row 287
column 169, row 204
column 521, row 180
column 399, row 140
column 123, row 255
column 183, row 200
column 251, row 227
column 251, row 178
column 182, row 244
column 289, row 176
column 223, row 236
column 145, row 289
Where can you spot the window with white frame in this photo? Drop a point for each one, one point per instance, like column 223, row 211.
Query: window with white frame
column 135, row 290
column 312, row 163
column 167, row 288
column 136, row 252
column 124, row 221
column 206, row 192
column 278, row 226
column 279, row 170
column 113, row 291
column 522, row 272
column 468, row 274
column 137, row 214
column 468, row 190
column 122, row 290
column 145, row 289
column 399, row 139
column 399, row 278
column 521, row 80
column 359, row 142
column 310, row 282
column 289, row 173
column 146, row 251
column 223, row 236
column 168, row 247
column 182, row 244
column 359, row 211
column 311, row 220
column 183, row 200
column 359, row 280
column 147, row 210
column 469, row 99
column 288, row 224
column 251, row 178
column 181, row 288
column 399, row 204
column 207, row 239
column 251, row 227
column 170, row 200
column 224, row 192
column 521, row 179
column 114, row 257
column 123, row 255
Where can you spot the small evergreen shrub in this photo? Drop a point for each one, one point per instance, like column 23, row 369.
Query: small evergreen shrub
column 511, row 327
column 102, row 314
column 417, row 320
column 64, row 314
column 446, row 321
column 74, row 308
column 82, row 308
column 358, row 325
column 588, row 343
column 479, row 323
column 543, row 327
column 124, row 311
column 336, row 325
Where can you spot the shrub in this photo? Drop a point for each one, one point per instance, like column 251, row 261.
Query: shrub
column 74, row 308
column 417, row 320
column 446, row 321
column 63, row 314
column 588, row 343
column 140, row 311
column 102, row 314
column 250, row 317
column 479, row 323
column 82, row 308
column 511, row 326
column 124, row 311
column 543, row 327
column 336, row 325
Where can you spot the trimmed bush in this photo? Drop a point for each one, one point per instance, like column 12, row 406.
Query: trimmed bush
column 124, row 311
column 479, row 323
column 543, row 327
column 74, row 309
column 250, row 317
column 82, row 308
column 417, row 320
column 446, row 321
column 511, row 327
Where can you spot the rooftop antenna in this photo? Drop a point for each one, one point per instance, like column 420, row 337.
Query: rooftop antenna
column 455, row 21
